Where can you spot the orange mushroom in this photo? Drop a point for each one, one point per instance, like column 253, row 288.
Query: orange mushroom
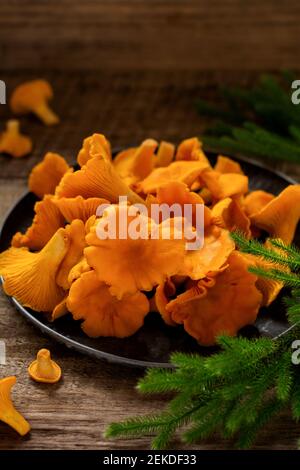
column 227, row 165
column 229, row 214
column 8, row 413
column 76, row 235
column 165, row 154
column 134, row 164
column 255, row 201
column 281, row 215
column 78, row 269
column 179, row 193
column 94, row 146
column 78, row 207
column 193, row 290
column 191, row 149
column 46, row 222
column 97, row 178
column 33, row 97
column 44, row 369
column 127, row 264
column 13, row 142
column 31, row 277
column 182, row 171
column 122, row 159
column 103, row 314
column 212, row 257
column 222, row 185
column 46, row 175
column 269, row 288
column 231, row 303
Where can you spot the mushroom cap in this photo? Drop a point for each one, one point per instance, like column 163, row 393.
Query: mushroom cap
column 176, row 192
column 129, row 264
column 183, row 171
column 228, row 213
column 28, row 94
column 135, row 164
column 47, row 220
column 269, row 288
column 190, row 149
column 102, row 313
column 255, row 201
column 227, row 165
column 78, row 207
column 281, row 215
column 165, row 154
column 97, row 178
column 95, row 145
column 222, row 185
column 45, row 176
column 212, row 257
column 220, row 307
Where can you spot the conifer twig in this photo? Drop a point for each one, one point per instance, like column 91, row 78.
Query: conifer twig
column 260, row 121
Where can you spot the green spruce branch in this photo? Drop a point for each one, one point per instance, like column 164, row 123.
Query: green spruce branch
column 236, row 391
column 261, row 121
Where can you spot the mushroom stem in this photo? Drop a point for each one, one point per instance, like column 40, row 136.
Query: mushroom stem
column 8, row 413
column 13, row 126
column 46, row 114
column 44, row 367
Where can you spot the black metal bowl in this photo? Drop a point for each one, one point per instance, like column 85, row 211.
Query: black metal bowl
column 152, row 345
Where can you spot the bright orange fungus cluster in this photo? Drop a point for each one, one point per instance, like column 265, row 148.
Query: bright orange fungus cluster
column 60, row 265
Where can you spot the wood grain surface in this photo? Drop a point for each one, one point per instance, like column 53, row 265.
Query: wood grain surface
column 168, row 35
column 129, row 69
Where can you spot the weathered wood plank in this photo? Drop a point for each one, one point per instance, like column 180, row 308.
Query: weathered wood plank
column 157, row 34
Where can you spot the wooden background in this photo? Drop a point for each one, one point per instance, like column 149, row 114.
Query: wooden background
column 168, row 35
column 130, row 69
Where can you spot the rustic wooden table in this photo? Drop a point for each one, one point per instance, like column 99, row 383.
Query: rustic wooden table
column 130, row 69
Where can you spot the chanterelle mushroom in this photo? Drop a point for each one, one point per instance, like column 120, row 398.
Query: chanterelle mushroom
column 32, row 97
column 44, row 369
column 13, row 142
column 8, row 413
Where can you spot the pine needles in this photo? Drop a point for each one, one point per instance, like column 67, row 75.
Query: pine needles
column 234, row 392
column 286, row 259
column 261, row 121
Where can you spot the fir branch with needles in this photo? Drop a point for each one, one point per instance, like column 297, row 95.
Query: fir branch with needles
column 236, row 391
column 260, row 121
